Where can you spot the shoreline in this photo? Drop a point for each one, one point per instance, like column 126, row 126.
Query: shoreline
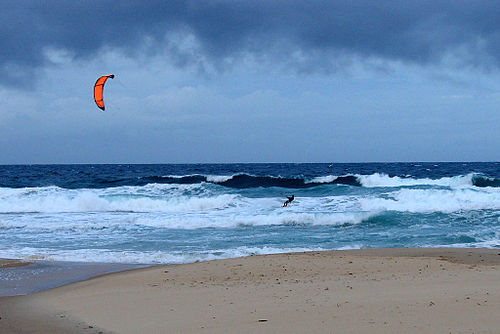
column 350, row 291
column 20, row 277
column 13, row 263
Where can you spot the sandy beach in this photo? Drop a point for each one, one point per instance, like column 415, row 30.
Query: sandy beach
column 356, row 291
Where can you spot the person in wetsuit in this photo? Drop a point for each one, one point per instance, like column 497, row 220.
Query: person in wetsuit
column 289, row 200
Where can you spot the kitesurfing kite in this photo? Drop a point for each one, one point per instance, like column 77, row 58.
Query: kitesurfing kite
column 98, row 89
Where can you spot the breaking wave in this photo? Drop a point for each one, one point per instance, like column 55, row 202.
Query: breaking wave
column 245, row 181
column 248, row 181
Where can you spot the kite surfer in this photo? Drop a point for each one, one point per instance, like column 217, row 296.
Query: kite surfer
column 289, row 200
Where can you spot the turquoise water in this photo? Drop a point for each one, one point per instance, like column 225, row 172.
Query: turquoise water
column 184, row 213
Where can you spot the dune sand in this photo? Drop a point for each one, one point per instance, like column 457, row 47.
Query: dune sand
column 358, row 291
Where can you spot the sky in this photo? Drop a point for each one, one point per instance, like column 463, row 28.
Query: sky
column 250, row 81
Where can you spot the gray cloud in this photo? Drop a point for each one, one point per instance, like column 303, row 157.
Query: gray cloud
column 319, row 34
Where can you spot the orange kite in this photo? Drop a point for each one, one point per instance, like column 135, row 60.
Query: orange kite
column 98, row 89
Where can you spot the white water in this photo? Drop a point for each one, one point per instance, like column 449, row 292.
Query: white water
column 123, row 224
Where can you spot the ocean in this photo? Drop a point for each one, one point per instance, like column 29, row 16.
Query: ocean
column 179, row 213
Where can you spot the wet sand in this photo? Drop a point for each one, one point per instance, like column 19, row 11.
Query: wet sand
column 21, row 278
column 12, row 263
column 359, row 291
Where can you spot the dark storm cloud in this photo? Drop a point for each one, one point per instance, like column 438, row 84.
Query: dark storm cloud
column 419, row 32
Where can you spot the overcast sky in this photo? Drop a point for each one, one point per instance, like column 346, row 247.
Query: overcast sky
column 250, row 81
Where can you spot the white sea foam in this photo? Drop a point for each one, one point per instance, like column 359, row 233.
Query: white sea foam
column 138, row 223
column 218, row 178
column 433, row 200
column 104, row 223
column 352, row 246
column 132, row 207
column 384, row 180
column 153, row 198
column 144, row 257
column 322, row 179
column 195, row 206
column 493, row 243
column 210, row 178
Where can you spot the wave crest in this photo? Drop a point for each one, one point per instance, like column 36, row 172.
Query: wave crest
column 245, row 181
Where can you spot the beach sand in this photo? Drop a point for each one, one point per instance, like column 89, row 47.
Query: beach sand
column 356, row 291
